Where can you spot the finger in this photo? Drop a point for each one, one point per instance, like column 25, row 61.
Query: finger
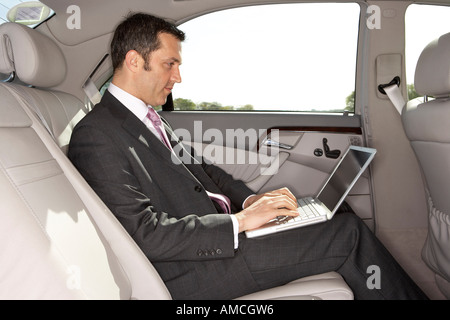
column 288, row 193
column 282, row 191
column 291, row 200
column 286, row 212
column 282, row 202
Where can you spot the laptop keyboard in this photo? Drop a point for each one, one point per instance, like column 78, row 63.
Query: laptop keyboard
column 306, row 210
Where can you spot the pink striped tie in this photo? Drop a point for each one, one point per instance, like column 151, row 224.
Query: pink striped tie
column 223, row 201
column 156, row 120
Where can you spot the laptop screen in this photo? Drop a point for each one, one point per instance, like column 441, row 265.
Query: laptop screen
column 346, row 173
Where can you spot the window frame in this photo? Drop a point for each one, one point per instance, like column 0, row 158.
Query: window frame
column 170, row 106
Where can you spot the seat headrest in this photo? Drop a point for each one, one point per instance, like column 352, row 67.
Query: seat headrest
column 34, row 57
column 432, row 77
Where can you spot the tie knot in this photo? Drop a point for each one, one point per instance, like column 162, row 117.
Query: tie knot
column 153, row 117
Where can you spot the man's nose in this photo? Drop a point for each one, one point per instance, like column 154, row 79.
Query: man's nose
column 176, row 75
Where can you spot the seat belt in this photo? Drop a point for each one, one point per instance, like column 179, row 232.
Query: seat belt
column 92, row 92
column 392, row 90
column 89, row 86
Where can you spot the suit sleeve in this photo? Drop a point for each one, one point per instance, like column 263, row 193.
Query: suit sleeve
column 235, row 189
column 161, row 236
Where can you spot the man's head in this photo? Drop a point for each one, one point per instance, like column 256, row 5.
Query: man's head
column 146, row 55
column 140, row 32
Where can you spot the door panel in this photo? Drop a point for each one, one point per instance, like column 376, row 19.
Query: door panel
column 237, row 142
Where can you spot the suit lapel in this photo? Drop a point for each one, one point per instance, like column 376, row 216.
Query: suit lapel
column 139, row 131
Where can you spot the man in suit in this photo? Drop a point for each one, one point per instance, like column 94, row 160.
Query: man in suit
column 175, row 211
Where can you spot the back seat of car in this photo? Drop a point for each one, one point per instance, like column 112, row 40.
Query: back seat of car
column 57, row 238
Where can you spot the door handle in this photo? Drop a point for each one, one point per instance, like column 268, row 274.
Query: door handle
column 272, row 143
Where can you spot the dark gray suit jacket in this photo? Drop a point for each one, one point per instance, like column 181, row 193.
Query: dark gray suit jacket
column 163, row 205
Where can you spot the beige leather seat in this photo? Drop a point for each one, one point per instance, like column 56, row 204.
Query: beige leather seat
column 427, row 126
column 57, row 238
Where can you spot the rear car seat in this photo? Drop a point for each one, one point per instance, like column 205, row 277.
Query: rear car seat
column 57, row 238
column 426, row 123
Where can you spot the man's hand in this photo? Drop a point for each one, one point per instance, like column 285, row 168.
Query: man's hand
column 259, row 209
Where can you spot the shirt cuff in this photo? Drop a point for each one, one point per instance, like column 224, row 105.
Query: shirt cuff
column 243, row 203
column 235, row 230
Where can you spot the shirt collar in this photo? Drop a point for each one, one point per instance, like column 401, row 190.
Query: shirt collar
column 135, row 105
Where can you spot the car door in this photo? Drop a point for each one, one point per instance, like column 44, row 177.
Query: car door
column 272, row 103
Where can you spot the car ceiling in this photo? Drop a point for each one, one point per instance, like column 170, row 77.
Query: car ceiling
column 85, row 47
column 100, row 17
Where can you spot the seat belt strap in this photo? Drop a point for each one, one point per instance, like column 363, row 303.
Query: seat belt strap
column 392, row 90
column 395, row 95
column 92, row 92
column 89, row 86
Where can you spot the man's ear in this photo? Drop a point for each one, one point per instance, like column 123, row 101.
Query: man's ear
column 132, row 60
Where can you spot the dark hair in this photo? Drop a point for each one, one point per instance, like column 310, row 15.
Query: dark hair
column 139, row 31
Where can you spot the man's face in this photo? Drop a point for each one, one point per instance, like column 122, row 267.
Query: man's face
column 154, row 85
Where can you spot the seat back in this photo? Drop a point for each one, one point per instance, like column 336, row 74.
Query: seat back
column 57, row 238
column 38, row 62
column 427, row 126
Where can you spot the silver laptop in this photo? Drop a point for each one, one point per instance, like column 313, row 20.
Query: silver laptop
column 321, row 208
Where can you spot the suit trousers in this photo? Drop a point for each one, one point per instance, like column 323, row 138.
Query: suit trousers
column 344, row 244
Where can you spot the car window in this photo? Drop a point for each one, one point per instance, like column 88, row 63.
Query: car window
column 423, row 24
column 284, row 57
column 29, row 13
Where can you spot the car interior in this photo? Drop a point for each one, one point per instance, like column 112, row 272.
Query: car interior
column 60, row 241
